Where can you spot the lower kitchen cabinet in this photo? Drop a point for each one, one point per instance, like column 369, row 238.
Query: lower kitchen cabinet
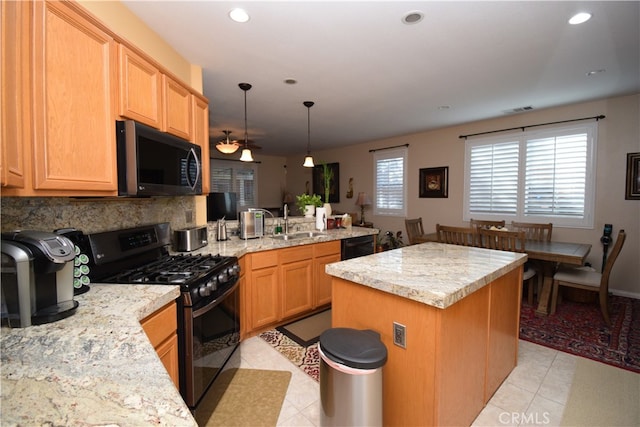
column 285, row 284
column 161, row 328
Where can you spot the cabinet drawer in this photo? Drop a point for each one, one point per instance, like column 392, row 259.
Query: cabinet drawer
column 161, row 324
column 264, row 259
column 298, row 253
column 326, row 248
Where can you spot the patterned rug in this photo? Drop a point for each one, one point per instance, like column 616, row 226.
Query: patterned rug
column 306, row 358
column 578, row 328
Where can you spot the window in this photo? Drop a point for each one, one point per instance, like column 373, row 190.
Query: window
column 533, row 176
column 239, row 178
column 389, row 177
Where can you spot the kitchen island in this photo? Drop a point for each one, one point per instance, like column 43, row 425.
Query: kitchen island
column 460, row 308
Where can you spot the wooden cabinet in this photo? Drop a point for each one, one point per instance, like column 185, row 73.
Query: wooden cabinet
column 296, row 275
column 201, row 137
column 284, row 284
column 140, row 88
column 177, row 108
column 161, row 328
column 323, row 254
column 74, row 100
column 14, row 79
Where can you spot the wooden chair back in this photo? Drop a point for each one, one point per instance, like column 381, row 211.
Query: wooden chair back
column 477, row 224
column 464, row 236
column 414, row 229
column 512, row 241
column 534, row 231
column 611, row 259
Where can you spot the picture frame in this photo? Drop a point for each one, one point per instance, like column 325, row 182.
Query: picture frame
column 334, row 187
column 633, row 177
column 434, row 182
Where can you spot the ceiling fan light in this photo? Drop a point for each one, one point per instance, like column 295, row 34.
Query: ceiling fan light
column 225, row 148
column 246, row 155
column 308, row 162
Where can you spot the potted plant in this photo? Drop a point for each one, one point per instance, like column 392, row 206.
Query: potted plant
column 307, row 203
column 327, row 176
column 388, row 241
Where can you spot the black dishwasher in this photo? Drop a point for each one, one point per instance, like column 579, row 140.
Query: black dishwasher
column 357, row 246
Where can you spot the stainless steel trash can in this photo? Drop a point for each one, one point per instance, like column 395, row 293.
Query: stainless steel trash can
column 351, row 364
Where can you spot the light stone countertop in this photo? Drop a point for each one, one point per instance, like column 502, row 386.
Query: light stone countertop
column 435, row 274
column 97, row 367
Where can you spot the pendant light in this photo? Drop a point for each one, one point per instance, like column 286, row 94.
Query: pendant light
column 246, row 153
column 225, row 146
column 308, row 161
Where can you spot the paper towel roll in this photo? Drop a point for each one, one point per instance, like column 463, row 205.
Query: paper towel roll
column 321, row 219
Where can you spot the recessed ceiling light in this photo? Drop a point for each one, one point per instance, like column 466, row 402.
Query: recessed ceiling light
column 444, row 107
column 579, row 18
column 239, row 15
column 290, row 81
column 412, row 17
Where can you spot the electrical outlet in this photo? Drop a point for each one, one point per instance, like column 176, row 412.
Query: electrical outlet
column 399, row 335
column 188, row 216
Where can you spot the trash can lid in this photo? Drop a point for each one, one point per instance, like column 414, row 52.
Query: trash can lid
column 354, row 348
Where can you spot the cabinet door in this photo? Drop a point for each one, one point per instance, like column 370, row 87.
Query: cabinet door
column 14, row 78
column 201, row 137
column 168, row 354
column 296, row 288
column 74, row 149
column 322, row 283
column 140, row 89
column 177, row 109
column 265, row 297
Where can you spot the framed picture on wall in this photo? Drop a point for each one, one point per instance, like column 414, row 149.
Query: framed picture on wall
column 434, row 182
column 633, row 176
column 333, row 169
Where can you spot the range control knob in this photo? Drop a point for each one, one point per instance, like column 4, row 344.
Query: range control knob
column 235, row 269
column 223, row 276
column 204, row 291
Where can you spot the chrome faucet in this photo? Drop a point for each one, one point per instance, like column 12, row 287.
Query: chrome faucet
column 286, row 219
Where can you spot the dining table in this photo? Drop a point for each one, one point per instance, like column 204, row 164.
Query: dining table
column 548, row 255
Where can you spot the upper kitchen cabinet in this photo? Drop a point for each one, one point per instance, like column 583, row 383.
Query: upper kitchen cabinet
column 201, row 136
column 73, row 104
column 140, row 88
column 14, row 77
column 177, row 108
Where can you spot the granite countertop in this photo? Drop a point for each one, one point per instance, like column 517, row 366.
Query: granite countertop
column 96, row 367
column 435, row 274
column 238, row 247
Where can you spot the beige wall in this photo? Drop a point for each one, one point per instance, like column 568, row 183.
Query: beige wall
column 618, row 134
column 127, row 25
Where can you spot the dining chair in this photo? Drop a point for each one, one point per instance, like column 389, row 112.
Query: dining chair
column 414, row 230
column 534, row 230
column 464, row 236
column 586, row 279
column 512, row 241
column 477, row 224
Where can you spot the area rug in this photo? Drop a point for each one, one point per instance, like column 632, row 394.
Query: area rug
column 307, row 331
column 305, row 358
column 244, row 397
column 602, row 395
column 578, row 328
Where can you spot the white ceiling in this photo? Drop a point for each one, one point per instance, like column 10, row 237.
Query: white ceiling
column 371, row 76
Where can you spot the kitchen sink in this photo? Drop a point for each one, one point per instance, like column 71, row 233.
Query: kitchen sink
column 298, row 235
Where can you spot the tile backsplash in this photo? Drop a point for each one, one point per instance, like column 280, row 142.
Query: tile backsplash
column 93, row 215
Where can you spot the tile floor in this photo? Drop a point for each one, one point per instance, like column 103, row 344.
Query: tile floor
column 534, row 393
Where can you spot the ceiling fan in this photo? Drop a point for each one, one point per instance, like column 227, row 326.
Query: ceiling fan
column 229, row 145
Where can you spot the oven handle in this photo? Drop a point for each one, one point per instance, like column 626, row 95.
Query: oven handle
column 213, row 304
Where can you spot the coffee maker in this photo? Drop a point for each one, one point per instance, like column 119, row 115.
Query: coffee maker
column 37, row 278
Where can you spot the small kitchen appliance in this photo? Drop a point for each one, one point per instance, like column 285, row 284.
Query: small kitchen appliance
column 190, row 239
column 251, row 224
column 37, row 278
column 221, row 230
column 208, row 306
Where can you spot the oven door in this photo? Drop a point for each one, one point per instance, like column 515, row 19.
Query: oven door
column 211, row 335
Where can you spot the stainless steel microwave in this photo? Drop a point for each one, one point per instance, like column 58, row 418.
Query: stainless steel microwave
column 155, row 163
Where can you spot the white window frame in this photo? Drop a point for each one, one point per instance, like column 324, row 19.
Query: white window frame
column 400, row 155
column 235, row 167
column 584, row 220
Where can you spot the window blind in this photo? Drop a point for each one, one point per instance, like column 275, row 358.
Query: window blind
column 240, row 179
column 389, row 178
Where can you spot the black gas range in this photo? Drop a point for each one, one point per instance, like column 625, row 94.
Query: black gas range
column 208, row 307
